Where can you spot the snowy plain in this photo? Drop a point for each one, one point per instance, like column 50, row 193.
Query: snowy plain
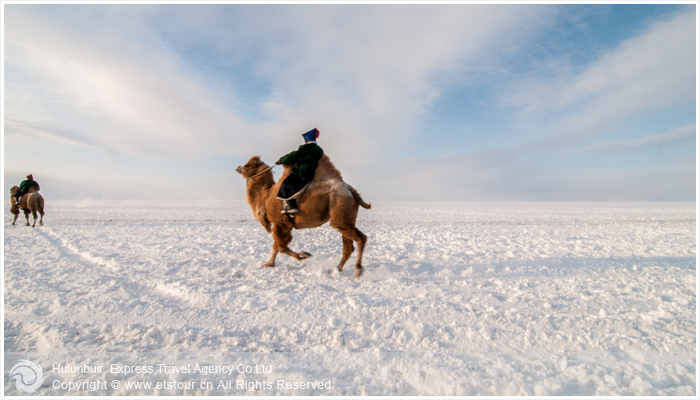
column 456, row 299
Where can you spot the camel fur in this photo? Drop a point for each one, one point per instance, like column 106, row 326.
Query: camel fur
column 325, row 198
column 31, row 202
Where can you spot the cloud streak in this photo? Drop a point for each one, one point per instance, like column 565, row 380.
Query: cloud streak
column 659, row 140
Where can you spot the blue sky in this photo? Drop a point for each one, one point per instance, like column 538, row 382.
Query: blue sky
column 593, row 102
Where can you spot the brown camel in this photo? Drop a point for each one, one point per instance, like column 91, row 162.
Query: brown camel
column 30, row 202
column 326, row 198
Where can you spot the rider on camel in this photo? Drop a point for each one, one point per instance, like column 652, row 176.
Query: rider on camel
column 305, row 161
column 24, row 187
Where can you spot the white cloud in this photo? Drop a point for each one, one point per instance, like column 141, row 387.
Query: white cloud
column 645, row 75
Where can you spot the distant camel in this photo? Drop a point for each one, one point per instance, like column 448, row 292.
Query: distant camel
column 326, row 198
column 31, row 202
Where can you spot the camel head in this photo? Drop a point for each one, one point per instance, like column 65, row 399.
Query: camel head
column 14, row 189
column 252, row 167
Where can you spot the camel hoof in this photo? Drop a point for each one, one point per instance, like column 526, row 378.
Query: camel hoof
column 358, row 272
column 268, row 265
column 305, row 255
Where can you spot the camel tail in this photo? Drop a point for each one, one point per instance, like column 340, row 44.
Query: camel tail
column 358, row 198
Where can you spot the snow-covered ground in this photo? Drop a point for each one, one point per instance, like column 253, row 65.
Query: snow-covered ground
column 456, row 299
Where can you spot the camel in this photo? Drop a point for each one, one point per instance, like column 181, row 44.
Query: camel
column 30, row 202
column 325, row 198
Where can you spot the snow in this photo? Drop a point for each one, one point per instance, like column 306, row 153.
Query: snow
column 456, row 299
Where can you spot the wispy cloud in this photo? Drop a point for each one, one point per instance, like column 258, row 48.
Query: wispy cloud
column 660, row 140
column 639, row 80
column 19, row 131
column 644, row 75
column 142, row 103
column 364, row 73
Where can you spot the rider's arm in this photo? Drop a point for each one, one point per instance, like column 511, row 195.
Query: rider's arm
column 290, row 159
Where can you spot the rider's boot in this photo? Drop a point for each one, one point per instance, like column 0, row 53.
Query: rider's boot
column 290, row 206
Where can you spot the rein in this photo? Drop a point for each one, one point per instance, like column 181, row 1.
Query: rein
column 261, row 172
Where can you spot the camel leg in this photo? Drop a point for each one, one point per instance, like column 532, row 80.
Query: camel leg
column 348, row 248
column 271, row 263
column 41, row 212
column 353, row 234
column 35, row 218
column 15, row 220
column 26, row 216
column 282, row 234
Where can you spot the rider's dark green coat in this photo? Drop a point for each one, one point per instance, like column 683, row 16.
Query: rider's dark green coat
column 25, row 185
column 306, row 159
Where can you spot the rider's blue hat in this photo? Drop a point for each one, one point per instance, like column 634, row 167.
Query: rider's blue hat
column 311, row 135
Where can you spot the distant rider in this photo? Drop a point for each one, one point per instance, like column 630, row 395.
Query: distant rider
column 305, row 160
column 24, row 187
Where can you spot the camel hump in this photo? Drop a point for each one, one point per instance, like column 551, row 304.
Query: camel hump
column 329, row 178
column 326, row 170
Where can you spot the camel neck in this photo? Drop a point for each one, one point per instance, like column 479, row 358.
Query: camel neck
column 258, row 193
